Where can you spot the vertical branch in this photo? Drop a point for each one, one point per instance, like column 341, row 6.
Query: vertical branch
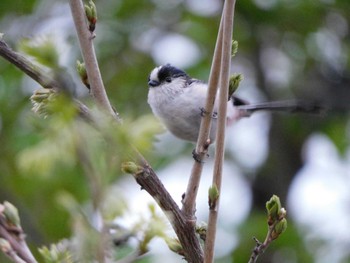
column 189, row 201
column 220, row 135
column 87, row 48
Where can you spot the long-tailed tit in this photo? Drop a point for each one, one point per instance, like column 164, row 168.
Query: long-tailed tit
column 179, row 100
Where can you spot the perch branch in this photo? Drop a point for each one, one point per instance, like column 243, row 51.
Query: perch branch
column 221, row 126
column 189, row 201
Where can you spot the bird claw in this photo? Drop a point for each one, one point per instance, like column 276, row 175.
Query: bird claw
column 196, row 156
column 203, row 112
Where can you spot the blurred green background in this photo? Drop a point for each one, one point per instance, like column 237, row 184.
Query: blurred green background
column 287, row 49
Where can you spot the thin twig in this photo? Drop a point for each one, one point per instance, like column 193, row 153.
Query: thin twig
column 261, row 247
column 27, row 67
column 16, row 241
column 37, row 74
column 221, row 126
column 189, row 201
column 88, row 52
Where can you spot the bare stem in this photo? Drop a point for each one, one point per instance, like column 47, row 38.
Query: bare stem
column 27, row 67
column 87, row 48
column 189, row 201
column 39, row 76
column 261, row 247
column 220, row 135
column 15, row 237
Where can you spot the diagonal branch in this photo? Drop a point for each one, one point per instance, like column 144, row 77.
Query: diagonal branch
column 39, row 76
column 27, row 67
column 150, row 182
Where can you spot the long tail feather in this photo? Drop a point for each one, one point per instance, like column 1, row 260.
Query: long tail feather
column 291, row 106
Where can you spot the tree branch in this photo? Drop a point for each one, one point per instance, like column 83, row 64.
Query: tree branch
column 88, row 52
column 150, row 182
column 18, row 249
column 27, row 67
column 221, row 126
column 38, row 75
column 189, row 201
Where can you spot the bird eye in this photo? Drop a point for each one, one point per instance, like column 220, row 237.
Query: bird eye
column 168, row 79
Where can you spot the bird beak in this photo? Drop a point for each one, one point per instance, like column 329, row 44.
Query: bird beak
column 153, row 83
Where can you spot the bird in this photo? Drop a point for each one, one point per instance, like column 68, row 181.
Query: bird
column 178, row 101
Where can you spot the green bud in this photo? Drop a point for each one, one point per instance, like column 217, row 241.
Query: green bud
column 273, row 207
column 11, row 214
column 213, row 195
column 234, row 82
column 93, row 9
column 201, row 230
column 56, row 254
column 91, row 15
column 88, row 11
column 40, row 95
column 174, row 245
column 81, row 69
column 234, row 48
column 279, row 228
column 41, row 99
column 5, row 246
column 130, row 168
